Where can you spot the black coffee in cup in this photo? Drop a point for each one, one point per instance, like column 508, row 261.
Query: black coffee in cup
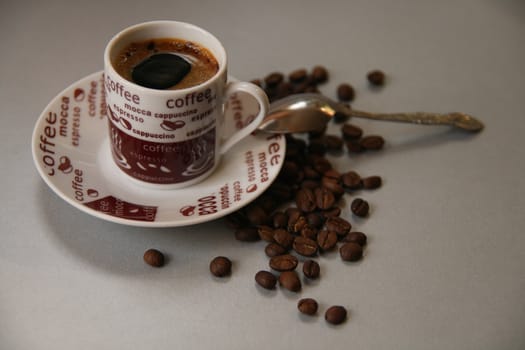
column 166, row 63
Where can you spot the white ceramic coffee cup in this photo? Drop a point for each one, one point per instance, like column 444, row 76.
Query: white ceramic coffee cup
column 169, row 139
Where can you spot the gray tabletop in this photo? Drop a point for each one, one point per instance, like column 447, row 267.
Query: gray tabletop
column 445, row 263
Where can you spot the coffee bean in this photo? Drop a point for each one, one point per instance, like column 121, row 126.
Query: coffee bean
column 372, row 182
column 338, row 225
column 283, row 238
column 324, row 198
column 359, row 207
column 305, row 246
column 284, row 262
column 333, row 186
column 345, row 92
column 351, row 180
column 265, row 233
column 351, row 132
column 356, row 237
column 308, row 231
column 274, row 79
column 332, row 174
column 335, row 314
column 330, row 213
column 236, row 220
column 290, row 280
column 321, row 164
column 311, row 269
column 354, row 146
column 274, row 249
column 247, row 234
column 372, row 142
column 319, row 74
column 221, row 266
column 305, row 200
column 333, row 143
column 266, row 279
column 310, row 173
column 280, row 220
column 315, row 220
column 307, row 306
column 298, row 75
column 256, row 215
column 376, row 77
column 154, row 258
column 298, row 225
column 326, row 240
column 351, row 251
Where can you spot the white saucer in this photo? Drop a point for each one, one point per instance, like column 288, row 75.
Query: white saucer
column 71, row 152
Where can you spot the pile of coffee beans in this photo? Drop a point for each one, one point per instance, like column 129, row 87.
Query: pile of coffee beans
column 299, row 215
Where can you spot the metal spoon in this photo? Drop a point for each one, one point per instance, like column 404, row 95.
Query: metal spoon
column 309, row 112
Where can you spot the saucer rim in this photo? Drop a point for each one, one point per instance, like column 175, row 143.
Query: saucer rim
column 116, row 219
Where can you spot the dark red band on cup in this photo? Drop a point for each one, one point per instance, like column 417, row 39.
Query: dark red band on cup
column 163, row 163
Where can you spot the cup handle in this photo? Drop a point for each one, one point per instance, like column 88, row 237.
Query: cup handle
column 243, row 128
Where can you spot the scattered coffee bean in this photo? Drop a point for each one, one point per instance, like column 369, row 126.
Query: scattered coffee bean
column 338, row 225
column 247, row 234
column 354, row 146
column 372, row 142
column 351, row 132
column 285, row 262
column 335, row 314
column 351, row 180
column 221, row 266
column 154, row 258
column 331, row 213
column 376, row 77
column 319, row 74
column 372, row 182
column 305, row 200
column 290, row 280
column 345, row 92
column 360, row 207
column 298, row 75
column 333, row 143
column 315, row 220
column 274, row 249
column 327, row 240
column 304, row 246
column 307, row 306
column 356, row 237
column 266, row 233
column 311, row 269
column 274, row 79
column 280, row 220
column 309, row 231
column 324, row 198
column 256, row 215
column 351, row 251
column 266, row 279
column 283, row 238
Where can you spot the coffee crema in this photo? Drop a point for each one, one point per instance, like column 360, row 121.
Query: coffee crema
column 166, row 63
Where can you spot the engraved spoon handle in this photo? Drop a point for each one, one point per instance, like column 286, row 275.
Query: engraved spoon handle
column 459, row 120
